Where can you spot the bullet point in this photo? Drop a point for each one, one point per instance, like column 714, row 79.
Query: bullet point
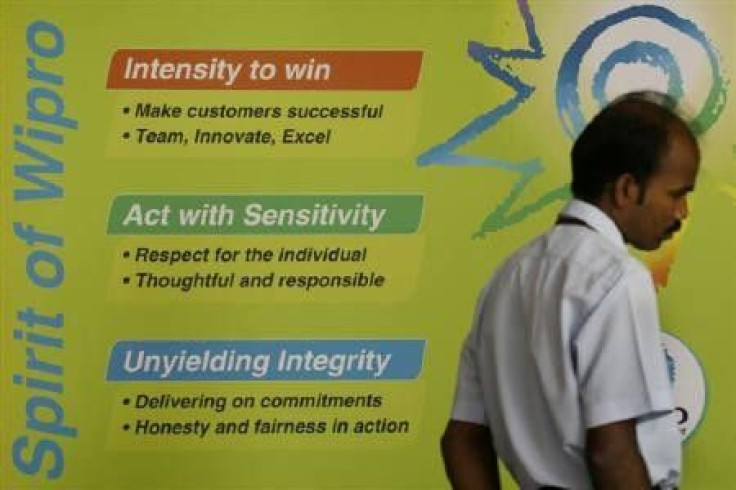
column 126, row 254
column 126, row 401
column 126, row 280
column 126, row 427
column 126, row 135
column 126, row 110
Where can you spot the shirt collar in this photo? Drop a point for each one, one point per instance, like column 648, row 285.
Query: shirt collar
column 596, row 219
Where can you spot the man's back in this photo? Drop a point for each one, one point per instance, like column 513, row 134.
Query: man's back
column 566, row 337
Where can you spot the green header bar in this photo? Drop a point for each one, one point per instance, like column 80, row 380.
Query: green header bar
column 297, row 214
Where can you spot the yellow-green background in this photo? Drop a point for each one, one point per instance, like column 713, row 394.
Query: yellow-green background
column 445, row 267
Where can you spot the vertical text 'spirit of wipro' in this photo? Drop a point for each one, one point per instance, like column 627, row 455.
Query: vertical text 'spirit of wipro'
column 39, row 335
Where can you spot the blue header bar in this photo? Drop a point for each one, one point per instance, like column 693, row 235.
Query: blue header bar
column 262, row 360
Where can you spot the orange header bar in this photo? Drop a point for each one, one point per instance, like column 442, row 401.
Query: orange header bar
column 263, row 70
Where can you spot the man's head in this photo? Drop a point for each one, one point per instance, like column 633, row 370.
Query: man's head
column 637, row 160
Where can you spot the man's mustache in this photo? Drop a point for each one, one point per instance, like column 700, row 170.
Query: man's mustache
column 675, row 227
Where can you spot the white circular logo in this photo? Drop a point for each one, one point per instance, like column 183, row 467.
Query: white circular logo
column 687, row 376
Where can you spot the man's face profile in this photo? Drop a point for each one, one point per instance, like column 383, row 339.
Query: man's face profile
column 661, row 205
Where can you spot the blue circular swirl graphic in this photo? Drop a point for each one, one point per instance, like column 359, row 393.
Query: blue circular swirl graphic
column 567, row 96
column 643, row 52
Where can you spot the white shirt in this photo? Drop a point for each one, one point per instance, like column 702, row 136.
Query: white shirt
column 566, row 337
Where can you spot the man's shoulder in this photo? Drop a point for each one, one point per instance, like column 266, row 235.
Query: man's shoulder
column 576, row 251
column 587, row 248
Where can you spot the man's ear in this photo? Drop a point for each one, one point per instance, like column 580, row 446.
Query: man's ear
column 625, row 191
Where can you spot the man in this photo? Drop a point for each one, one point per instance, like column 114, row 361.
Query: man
column 563, row 376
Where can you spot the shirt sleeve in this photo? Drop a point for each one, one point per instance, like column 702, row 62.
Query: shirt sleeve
column 468, row 405
column 619, row 357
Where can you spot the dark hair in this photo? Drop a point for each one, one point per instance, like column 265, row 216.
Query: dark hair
column 629, row 136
